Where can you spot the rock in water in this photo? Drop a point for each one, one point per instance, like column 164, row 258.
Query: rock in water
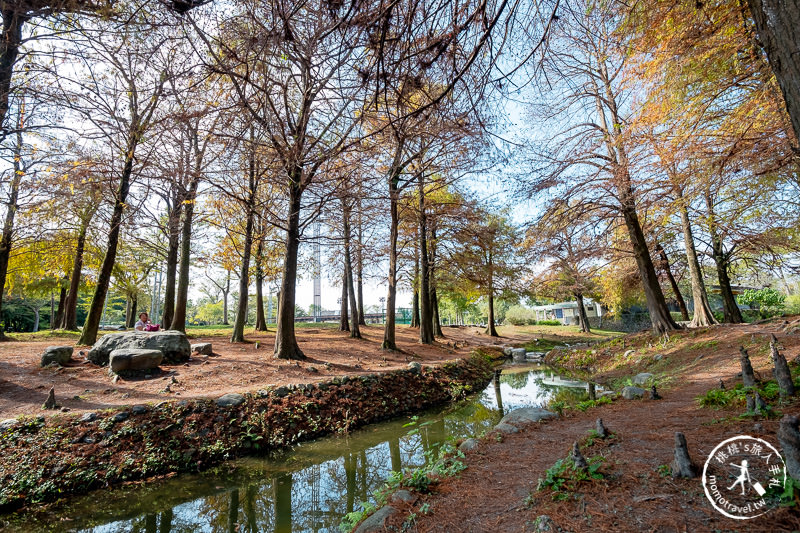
column 682, row 465
column 748, row 378
column 600, row 428
column 518, row 354
column 59, row 355
column 781, row 370
column 172, row 344
column 789, row 439
column 50, row 403
column 577, row 457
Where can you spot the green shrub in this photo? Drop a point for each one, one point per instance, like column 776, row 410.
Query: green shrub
column 519, row 315
column 548, row 323
column 768, row 301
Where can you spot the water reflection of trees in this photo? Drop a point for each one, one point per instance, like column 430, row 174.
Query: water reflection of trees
column 516, row 380
column 314, row 485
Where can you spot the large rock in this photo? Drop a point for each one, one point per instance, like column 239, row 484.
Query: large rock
column 374, row 523
column 230, row 400
column 527, row 415
column 518, row 354
column 130, row 359
column 631, row 393
column 172, row 344
column 641, row 379
column 203, row 348
column 59, row 355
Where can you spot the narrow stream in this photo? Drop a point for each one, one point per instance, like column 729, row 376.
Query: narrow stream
column 308, row 488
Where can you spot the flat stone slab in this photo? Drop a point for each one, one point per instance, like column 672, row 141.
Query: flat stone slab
column 59, row 355
column 172, row 344
column 130, row 359
column 507, row 350
column 527, row 415
column 374, row 522
column 631, row 393
column 641, row 379
column 202, row 348
column 230, row 400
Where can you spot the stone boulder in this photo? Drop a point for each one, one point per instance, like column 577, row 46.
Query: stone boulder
column 527, row 415
column 518, row 354
column 131, row 359
column 203, row 348
column 375, row 522
column 230, row 400
column 631, row 393
column 59, row 355
column 641, row 379
column 172, row 344
column 469, row 445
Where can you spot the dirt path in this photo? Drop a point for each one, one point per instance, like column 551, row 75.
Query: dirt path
column 82, row 386
column 497, row 492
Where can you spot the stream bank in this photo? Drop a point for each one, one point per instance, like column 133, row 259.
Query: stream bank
column 42, row 460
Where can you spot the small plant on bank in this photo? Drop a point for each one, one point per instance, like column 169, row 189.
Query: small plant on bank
column 664, row 470
column 563, row 478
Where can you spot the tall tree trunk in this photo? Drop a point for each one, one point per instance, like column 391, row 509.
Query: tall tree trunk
column 225, row 294
column 244, row 272
column 344, row 318
column 660, row 317
column 490, row 329
column 415, row 284
column 394, row 198
column 583, row 319
column 426, row 313
column 415, row 306
column 10, row 42
column 437, row 321
column 662, row 254
column 134, row 311
column 777, row 23
column 730, row 311
column 62, row 298
column 8, row 225
column 92, row 324
column 261, row 321
column 702, row 314
column 355, row 330
column 70, row 320
column 173, row 243
column 182, row 294
column 285, row 340
column 360, row 266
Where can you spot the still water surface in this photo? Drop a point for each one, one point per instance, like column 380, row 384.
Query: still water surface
column 308, row 488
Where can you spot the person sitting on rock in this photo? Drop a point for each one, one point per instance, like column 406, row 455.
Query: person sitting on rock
column 144, row 324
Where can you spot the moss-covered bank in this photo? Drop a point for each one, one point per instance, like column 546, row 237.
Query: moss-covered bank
column 42, row 460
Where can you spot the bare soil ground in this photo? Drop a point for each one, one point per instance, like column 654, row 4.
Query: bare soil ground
column 240, row 367
column 497, row 492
